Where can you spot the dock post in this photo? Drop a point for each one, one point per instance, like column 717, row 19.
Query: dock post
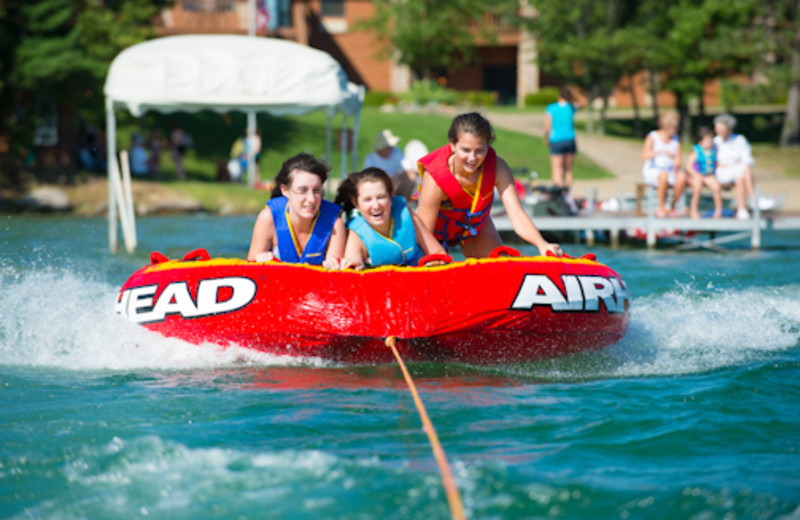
column 651, row 231
column 590, row 237
column 615, row 238
column 755, row 238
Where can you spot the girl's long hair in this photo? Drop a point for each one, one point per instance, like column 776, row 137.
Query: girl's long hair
column 304, row 162
column 347, row 194
column 471, row 123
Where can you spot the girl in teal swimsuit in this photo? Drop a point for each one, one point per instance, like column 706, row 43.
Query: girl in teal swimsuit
column 702, row 166
column 382, row 230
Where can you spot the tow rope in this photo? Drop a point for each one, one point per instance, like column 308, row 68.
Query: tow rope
column 453, row 495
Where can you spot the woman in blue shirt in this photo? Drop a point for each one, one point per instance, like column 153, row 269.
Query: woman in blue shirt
column 559, row 134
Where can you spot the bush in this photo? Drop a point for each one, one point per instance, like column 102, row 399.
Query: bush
column 480, row 98
column 426, row 91
column 378, row 98
column 736, row 93
column 544, row 96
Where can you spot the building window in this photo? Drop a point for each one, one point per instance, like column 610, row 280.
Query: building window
column 332, row 7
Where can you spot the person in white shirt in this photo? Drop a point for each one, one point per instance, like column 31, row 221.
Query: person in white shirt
column 734, row 162
column 661, row 154
column 389, row 158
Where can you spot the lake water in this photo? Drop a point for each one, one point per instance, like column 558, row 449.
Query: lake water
column 694, row 414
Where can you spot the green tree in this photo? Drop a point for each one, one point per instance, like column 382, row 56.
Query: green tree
column 57, row 53
column 705, row 39
column 779, row 22
column 427, row 35
column 582, row 43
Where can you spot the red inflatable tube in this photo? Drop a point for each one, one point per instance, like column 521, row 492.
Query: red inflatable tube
column 492, row 310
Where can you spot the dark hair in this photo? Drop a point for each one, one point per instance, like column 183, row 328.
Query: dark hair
column 347, row 194
column 472, row 123
column 302, row 161
column 566, row 93
column 702, row 132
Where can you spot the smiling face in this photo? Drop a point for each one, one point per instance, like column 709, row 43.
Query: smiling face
column 304, row 194
column 469, row 152
column 374, row 203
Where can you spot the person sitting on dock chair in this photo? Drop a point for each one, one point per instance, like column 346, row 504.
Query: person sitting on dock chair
column 734, row 163
column 662, row 163
column 702, row 166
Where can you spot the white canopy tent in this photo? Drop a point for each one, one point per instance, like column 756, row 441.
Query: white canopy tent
column 229, row 73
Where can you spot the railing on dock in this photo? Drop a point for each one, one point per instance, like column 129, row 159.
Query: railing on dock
column 689, row 233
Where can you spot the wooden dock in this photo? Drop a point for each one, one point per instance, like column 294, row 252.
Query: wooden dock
column 682, row 232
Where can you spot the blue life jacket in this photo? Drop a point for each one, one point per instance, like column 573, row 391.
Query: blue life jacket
column 706, row 163
column 288, row 249
column 399, row 249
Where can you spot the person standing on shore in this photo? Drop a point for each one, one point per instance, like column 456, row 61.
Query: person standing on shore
column 559, row 135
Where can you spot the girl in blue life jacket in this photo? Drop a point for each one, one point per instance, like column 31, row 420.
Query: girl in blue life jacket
column 297, row 226
column 702, row 168
column 383, row 230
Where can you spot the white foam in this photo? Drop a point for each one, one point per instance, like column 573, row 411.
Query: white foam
column 692, row 329
column 59, row 319
column 55, row 318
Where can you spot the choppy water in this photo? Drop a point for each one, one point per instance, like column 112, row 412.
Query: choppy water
column 694, row 414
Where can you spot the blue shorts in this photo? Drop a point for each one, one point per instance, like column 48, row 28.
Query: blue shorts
column 562, row 147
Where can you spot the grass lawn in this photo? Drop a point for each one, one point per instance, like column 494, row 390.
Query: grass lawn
column 283, row 137
column 782, row 160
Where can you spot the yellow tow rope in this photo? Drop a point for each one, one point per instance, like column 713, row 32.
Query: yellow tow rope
column 453, row 495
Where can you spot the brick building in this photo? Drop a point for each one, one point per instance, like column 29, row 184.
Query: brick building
column 507, row 67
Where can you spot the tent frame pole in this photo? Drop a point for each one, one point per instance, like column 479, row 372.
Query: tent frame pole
column 251, row 155
column 111, row 157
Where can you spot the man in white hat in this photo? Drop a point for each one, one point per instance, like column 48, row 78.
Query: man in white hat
column 389, row 158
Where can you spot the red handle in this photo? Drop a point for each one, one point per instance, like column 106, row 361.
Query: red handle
column 196, row 254
column 504, row 250
column 440, row 257
column 157, row 258
column 588, row 256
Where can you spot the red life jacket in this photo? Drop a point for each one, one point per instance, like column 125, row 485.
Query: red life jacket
column 462, row 215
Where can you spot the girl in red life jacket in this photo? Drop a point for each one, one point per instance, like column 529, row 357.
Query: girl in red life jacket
column 458, row 182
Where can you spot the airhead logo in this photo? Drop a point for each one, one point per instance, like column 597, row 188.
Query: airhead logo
column 214, row 296
column 582, row 293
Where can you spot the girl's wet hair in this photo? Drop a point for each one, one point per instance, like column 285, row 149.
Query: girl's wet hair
column 703, row 132
column 347, row 194
column 472, row 123
column 304, row 162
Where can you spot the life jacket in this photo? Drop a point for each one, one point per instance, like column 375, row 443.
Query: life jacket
column 462, row 215
column 400, row 248
column 288, row 248
column 705, row 163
